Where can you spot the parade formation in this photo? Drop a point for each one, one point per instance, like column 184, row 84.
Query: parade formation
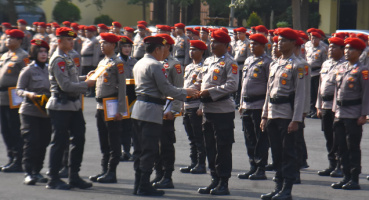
column 142, row 81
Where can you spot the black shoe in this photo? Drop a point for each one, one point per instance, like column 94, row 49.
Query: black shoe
column 367, row 178
column 285, row 193
column 351, row 185
column 64, row 172
column 304, row 165
column 247, row 174
column 76, row 182
column 137, row 181
column 198, row 169
column 325, row 172
column 337, row 173
column 186, row 169
column 268, row 196
column 58, row 184
column 109, row 177
column 258, row 175
column 314, row 116
column 165, row 183
column 213, row 184
column 29, row 180
column 12, row 168
column 339, row 184
column 269, row 167
column 221, row 189
column 149, row 191
column 95, row 177
column 7, row 164
column 125, row 156
column 275, row 179
column 39, row 178
column 157, row 178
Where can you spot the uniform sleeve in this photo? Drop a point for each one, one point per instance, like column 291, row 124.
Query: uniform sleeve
column 121, row 88
column 22, row 83
column 96, row 54
column 187, row 52
column 307, row 88
column 178, row 81
column 231, row 84
column 299, row 103
column 318, row 104
column 60, row 71
column 265, row 106
column 365, row 92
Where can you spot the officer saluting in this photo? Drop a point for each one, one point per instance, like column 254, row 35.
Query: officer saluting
column 147, row 114
column 64, row 108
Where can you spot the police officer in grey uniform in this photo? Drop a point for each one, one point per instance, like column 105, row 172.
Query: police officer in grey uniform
column 147, row 114
column 204, row 36
column 283, row 113
column 182, row 45
column 64, row 109
column 138, row 43
column 254, row 86
column 111, row 83
column 351, row 107
column 41, row 32
column 4, row 26
column 217, row 81
column 324, row 103
column 11, row 63
column 26, row 43
column 34, row 86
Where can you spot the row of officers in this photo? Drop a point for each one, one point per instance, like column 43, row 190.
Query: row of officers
column 274, row 99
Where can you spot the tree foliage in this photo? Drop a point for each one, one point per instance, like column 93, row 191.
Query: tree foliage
column 254, row 20
column 65, row 10
column 103, row 19
column 97, row 3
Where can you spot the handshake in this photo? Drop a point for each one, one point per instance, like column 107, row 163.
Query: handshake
column 197, row 94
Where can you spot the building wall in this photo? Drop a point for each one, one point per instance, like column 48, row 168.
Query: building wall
column 118, row 10
column 362, row 20
column 329, row 15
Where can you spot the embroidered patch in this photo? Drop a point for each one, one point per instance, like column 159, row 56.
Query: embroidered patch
column 256, row 69
column 365, row 74
column 178, row 68
column 300, row 69
column 260, row 63
column 234, row 69
column 283, row 82
column 222, row 63
column 76, row 61
column 301, row 75
column 106, row 74
column 15, row 57
column 166, row 65
column 11, row 64
column 285, row 75
column 216, row 71
column 255, row 75
column 269, row 46
column 61, row 65
column 288, row 67
column 105, row 80
column 26, row 61
column 351, row 79
column 306, row 70
column 215, row 78
column 9, row 71
column 165, row 74
column 351, row 85
column 120, row 67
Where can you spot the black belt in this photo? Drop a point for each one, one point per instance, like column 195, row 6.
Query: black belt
column 150, row 99
column 87, row 55
column 64, row 97
column 328, row 98
column 100, row 100
column 208, row 99
column 254, row 98
column 280, row 100
column 315, row 68
column 180, row 56
column 348, row 102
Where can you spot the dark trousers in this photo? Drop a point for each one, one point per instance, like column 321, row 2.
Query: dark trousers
column 193, row 126
column 301, row 150
column 165, row 157
column 256, row 141
column 283, row 148
column 10, row 129
column 327, row 128
column 36, row 134
column 314, row 92
column 146, row 142
column 218, row 130
column 65, row 124
column 348, row 137
column 126, row 135
column 109, row 137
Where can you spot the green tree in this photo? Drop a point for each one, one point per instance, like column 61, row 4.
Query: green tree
column 8, row 7
column 254, row 20
column 103, row 19
column 65, row 10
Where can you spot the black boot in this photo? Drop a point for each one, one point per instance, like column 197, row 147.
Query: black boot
column 158, row 176
column 145, row 188
column 213, row 184
column 64, row 172
column 278, row 187
column 297, row 178
column 29, row 180
column 247, row 174
column 221, row 188
column 269, row 167
column 15, row 166
column 56, row 183
column 353, row 184
column 367, row 178
column 285, row 193
column 199, row 169
column 76, row 181
column 258, row 175
column 327, row 172
column 109, row 177
column 104, row 170
column 337, row 172
column 345, row 180
column 137, row 181
column 166, row 182
column 39, row 178
column 187, row 169
column 126, row 156
column 10, row 161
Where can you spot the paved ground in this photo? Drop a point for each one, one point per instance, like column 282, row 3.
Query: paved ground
column 312, row 187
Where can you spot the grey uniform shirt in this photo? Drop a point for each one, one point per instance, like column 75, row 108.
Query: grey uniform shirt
column 90, row 52
column 255, row 75
column 11, row 64
column 315, row 56
column 77, row 44
column 150, row 80
column 44, row 37
column 128, row 66
column 63, row 76
column 53, row 45
column 219, row 75
column 286, row 77
column 207, row 52
column 364, row 57
column 33, row 79
column 307, row 72
column 327, row 82
column 138, row 47
column 26, row 42
column 181, row 49
column 112, row 83
column 191, row 72
column 3, row 48
column 241, row 51
column 352, row 82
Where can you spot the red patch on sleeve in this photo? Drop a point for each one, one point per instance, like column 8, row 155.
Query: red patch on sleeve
column 306, row 70
column 26, row 61
column 234, row 69
column 61, row 65
column 178, row 68
column 365, row 74
column 165, row 74
column 120, row 68
column 76, row 61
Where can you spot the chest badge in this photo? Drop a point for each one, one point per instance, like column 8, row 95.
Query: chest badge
column 216, row 71
column 222, row 63
column 215, row 78
column 288, row 66
column 283, row 82
column 285, row 75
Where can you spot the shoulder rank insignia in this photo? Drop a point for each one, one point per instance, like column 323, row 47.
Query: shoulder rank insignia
column 178, row 68
column 120, row 67
column 365, row 74
column 234, row 69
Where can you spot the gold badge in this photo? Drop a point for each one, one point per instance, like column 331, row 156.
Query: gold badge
column 71, row 33
column 255, row 75
column 260, row 63
column 351, row 85
column 123, row 39
column 106, row 74
column 9, row 71
column 351, row 79
column 283, row 82
column 164, row 41
column 216, row 71
column 105, row 80
column 38, row 42
column 222, row 63
column 215, row 78
column 256, row 69
column 285, row 75
column 288, row 67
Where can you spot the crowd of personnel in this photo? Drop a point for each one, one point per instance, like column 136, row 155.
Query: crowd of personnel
column 274, row 78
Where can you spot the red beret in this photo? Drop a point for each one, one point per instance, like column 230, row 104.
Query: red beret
column 235, row 30
column 320, row 32
column 15, row 33
column 311, row 30
column 271, row 32
column 362, row 36
column 355, row 43
column 141, row 26
column 125, row 39
column 154, row 40
column 109, row 37
column 42, row 24
column 198, row 44
column 81, row 27
column 341, row 35
column 142, row 22
column 288, row 33
column 221, row 36
column 299, row 42
column 48, row 25
column 247, row 34
column 90, row 28
column 252, row 27
column 179, row 25
column 22, row 21
column 54, row 23
column 303, row 36
column 204, row 29
column 66, row 23
column 164, row 27
column 6, row 25
column 337, row 41
column 275, row 39
column 35, row 23
column 65, row 32
column 103, row 26
column 74, row 26
column 316, row 34
column 241, row 30
column 352, row 35
column 261, row 29
column 195, row 32
column 40, row 43
column 197, row 28
column 117, row 24
column 189, row 29
column 167, row 38
column 260, row 38
column 56, row 26
column 129, row 29
column 224, row 29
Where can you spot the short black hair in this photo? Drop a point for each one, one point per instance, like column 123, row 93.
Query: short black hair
column 120, row 45
column 33, row 52
column 151, row 47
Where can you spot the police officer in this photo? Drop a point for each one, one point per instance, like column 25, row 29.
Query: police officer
column 77, row 46
column 151, row 89
column 204, row 36
column 192, row 111
column 182, row 45
column 261, row 29
column 11, row 63
column 324, row 103
column 5, row 26
column 34, row 85
column 111, row 83
column 275, row 52
column 351, row 107
column 283, row 113
column 53, row 40
column 41, row 32
column 254, row 86
column 364, row 57
column 138, row 43
column 116, row 26
column 64, row 109
column 26, row 43
column 217, row 81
